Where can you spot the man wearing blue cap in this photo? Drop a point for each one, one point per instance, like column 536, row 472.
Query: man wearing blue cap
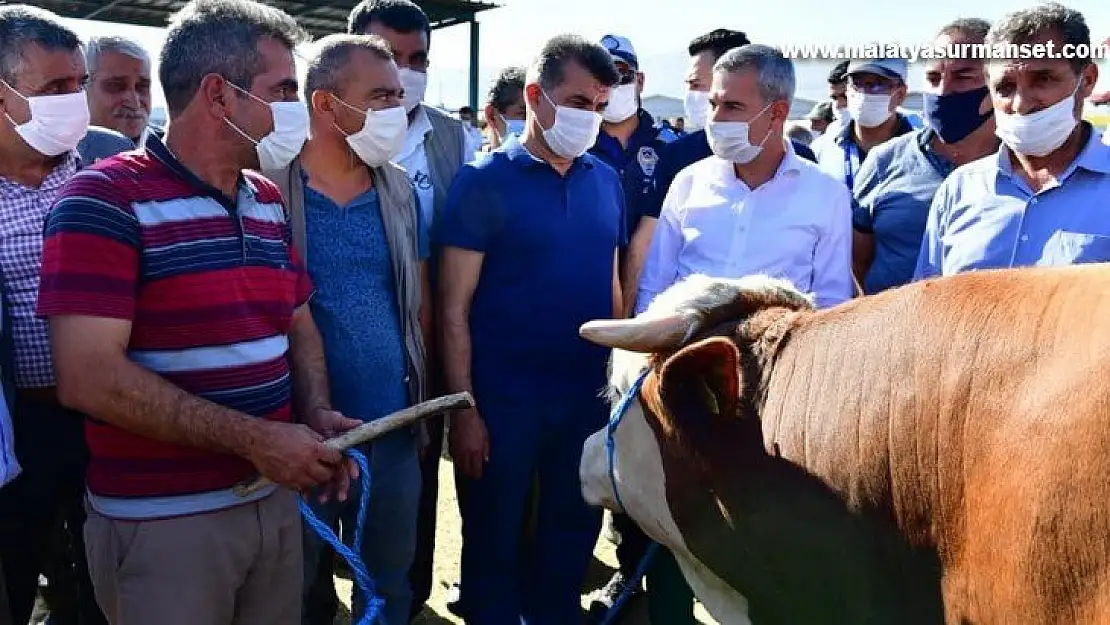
column 876, row 88
column 630, row 142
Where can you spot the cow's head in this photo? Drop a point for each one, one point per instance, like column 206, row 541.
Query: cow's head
column 703, row 341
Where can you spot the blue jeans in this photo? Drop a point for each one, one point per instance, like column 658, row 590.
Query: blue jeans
column 530, row 437
column 389, row 538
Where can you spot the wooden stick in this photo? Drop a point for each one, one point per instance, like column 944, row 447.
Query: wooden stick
column 376, row 429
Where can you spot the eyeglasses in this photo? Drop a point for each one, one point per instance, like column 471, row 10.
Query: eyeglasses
column 627, row 76
column 876, row 86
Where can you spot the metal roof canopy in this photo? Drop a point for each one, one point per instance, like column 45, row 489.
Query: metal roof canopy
column 319, row 18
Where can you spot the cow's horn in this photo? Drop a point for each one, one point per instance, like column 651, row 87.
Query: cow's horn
column 641, row 334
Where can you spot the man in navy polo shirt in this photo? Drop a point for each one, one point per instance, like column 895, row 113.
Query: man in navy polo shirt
column 688, row 149
column 530, row 234
column 630, row 141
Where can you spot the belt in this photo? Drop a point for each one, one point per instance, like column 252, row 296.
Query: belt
column 45, row 395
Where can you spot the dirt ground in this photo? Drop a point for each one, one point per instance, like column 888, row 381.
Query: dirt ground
column 448, row 550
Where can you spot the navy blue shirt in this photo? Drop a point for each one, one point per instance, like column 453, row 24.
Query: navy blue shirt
column 679, row 155
column 548, row 245
column 635, row 163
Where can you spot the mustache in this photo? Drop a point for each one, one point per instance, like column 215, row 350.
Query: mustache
column 130, row 114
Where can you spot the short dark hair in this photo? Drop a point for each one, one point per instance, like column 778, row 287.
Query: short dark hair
column 839, row 73
column 402, row 16
column 219, row 37
column 466, row 110
column 1025, row 25
column 325, row 69
column 20, row 25
column 718, row 42
column 507, row 89
column 549, row 67
column 973, row 28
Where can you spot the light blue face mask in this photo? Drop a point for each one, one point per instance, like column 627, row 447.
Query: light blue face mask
column 513, row 126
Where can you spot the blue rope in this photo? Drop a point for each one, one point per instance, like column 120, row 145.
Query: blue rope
column 615, row 419
column 631, row 584
column 363, row 581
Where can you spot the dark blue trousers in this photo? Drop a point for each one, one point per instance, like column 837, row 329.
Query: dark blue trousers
column 539, row 436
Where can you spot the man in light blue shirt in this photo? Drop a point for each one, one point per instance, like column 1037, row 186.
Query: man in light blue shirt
column 1042, row 198
column 899, row 179
column 876, row 90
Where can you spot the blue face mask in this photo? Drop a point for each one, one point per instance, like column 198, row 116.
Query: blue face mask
column 954, row 116
column 513, row 127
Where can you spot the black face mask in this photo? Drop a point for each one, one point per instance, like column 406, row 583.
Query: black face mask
column 956, row 115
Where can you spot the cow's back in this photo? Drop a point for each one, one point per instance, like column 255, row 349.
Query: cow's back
column 972, row 413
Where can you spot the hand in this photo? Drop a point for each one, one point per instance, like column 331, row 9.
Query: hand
column 469, row 442
column 329, row 424
column 293, row 455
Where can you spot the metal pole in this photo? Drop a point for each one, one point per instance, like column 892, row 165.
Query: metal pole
column 474, row 63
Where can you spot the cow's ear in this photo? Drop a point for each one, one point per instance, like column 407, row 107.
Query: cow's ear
column 701, row 383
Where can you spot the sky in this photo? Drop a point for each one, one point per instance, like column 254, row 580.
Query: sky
column 661, row 29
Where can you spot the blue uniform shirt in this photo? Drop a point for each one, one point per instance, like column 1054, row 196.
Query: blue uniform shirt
column 548, row 245
column 894, row 189
column 985, row 216
column 679, row 155
column 356, row 310
column 636, row 163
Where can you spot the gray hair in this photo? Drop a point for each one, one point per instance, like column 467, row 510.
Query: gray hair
column 972, row 28
column 1028, row 24
column 219, row 37
column 20, row 25
column 549, row 67
column 113, row 43
column 325, row 69
column 507, row 89
column 775, row 72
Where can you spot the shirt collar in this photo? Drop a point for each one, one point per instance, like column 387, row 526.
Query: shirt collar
column 1094, row 157
column 845, row 135
column 58, row 176
column 790, row 167
column 517, row 154
column 156, row 148
column 421, row 125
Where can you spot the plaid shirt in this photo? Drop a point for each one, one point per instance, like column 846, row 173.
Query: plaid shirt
column 22, row 216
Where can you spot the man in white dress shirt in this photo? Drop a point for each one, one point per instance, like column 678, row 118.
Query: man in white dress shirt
column 754, row 207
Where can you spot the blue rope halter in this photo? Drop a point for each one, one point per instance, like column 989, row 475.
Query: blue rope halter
column 363, row 581
column 615, row 419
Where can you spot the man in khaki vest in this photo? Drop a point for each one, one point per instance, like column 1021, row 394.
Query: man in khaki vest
column 436, row 145
column 356, row 223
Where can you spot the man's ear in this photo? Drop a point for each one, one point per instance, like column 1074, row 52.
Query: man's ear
column 699, row 389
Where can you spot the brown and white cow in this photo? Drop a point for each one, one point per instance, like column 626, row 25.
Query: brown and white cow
column 939, row 453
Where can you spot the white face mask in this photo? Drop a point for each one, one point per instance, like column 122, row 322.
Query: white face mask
column 415, row 84
column 696, row 105
column 573, row 132
column 1040, row 133
column 730, row 141
column 622, row 104
column 382, row 135
column 57, row 124
column 278, row 148
column 842, row 114
column 869, row 109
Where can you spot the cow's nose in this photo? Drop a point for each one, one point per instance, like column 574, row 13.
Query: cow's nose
column 593, row 472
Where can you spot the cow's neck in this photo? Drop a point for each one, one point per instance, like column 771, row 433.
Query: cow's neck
column 791, row 534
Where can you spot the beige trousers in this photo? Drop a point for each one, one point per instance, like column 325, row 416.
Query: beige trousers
column 241, row 566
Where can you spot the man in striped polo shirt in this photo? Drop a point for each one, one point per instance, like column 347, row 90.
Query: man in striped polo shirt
column 179, row 324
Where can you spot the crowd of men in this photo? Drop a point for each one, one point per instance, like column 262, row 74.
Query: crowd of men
column 187, row 307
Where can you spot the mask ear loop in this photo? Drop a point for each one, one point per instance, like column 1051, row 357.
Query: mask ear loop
column 351, row 156
column 8, row 115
